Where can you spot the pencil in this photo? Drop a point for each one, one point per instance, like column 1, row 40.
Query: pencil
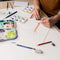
column 36, row 27
column 44, row 43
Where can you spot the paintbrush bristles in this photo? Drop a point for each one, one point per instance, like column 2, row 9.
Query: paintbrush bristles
column 38, row 51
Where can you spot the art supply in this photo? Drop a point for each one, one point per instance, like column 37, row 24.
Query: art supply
column 7, row 30
column 28, row 9
column 36, row 27
column 53, row 44
column 11, row 14
column 18, row 3
column 39, row 51
column 13, row 42
column 20, row 18
column 11, row 5
column 44, row 43
column 7, row 5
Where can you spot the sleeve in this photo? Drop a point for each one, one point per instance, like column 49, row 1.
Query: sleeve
column 58, row 24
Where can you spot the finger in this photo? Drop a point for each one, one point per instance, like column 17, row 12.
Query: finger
column 38, row 15
column 43, row 21
column 31, row 16
column 44, row 18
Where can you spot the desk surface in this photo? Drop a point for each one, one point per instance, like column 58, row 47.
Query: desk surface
column 9, row 51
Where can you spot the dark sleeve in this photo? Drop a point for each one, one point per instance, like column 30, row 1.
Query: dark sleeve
column 58, row 24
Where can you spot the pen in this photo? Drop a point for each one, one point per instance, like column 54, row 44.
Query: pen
column 11, row 14
column 36, row 27
column 44, row 43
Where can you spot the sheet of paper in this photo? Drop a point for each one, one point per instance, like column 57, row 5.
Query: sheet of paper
column 28, row 36
column 17, row 3
column 26, row 33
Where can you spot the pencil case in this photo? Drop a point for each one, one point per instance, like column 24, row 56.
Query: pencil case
column 7, row 30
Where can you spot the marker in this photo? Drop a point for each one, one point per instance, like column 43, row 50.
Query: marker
column 44, row 43
column 11, row 14
column 36, row 27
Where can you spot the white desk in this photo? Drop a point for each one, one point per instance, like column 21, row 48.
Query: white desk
column 28, row 37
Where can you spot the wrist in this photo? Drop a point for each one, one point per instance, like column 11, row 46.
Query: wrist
column 56, row 17
column 59, row 15
column 37, row 8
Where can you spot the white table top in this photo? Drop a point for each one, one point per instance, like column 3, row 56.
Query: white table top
column 27, row 36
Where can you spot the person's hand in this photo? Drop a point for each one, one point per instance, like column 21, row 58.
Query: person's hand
column 36, row 14
column 48, row 22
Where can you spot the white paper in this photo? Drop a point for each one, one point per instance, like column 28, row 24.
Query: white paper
column 27, row 37
column 17, row 3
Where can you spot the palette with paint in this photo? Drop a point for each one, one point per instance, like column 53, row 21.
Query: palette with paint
column 7, row 30
column 19, row 18
column 28, row 9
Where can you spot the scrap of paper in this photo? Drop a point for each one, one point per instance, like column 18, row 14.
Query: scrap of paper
column 17, row 3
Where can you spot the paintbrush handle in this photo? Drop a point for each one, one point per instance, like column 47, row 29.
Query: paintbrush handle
column 36, row 27
column 45, row 43
column 11, row 14
column 26, row 47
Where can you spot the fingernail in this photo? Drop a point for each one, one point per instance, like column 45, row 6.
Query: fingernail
column 38, row 19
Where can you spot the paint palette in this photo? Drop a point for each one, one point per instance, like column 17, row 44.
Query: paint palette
column 22, row 19
column 28, row 9
column 19, row 18
column 7, row 30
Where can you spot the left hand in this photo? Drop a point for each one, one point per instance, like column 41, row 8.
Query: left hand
column 48, row 22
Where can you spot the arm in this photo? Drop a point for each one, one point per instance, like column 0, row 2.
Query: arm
column 36, row 11
column 49, row 22
column 57, row 17
column 58, row 23
column 36, row 4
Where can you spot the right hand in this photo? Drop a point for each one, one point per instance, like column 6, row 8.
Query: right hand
column 36, row 14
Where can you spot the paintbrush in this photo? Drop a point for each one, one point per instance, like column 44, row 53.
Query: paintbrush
column 39, row 51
